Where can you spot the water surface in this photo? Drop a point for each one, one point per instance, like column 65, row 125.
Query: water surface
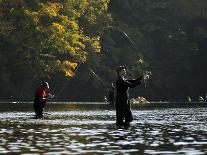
column 92, row 130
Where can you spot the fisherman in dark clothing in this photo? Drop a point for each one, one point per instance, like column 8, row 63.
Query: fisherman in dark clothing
column 122, row 104
column 41, row 96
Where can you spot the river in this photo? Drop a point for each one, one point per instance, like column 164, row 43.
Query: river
column 91, row 129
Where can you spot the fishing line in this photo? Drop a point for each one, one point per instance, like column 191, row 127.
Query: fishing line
column 146, row 74
column 97, row 77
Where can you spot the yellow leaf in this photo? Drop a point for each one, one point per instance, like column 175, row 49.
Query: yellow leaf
column 69, row 73
column 58, row 27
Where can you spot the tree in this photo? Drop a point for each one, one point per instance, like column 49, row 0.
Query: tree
column 47, row 39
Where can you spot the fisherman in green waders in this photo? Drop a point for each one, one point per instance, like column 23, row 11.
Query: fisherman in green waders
column 123, row 111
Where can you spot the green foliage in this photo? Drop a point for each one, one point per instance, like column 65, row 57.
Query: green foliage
column 52, row 40
column 41, row 38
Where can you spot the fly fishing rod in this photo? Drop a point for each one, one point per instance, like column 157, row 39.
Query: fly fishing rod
column 139, row 64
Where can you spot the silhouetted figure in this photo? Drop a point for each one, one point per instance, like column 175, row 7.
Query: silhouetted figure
column 123, row 111
column 41, row 96
column 111, row 95
column 105, row 99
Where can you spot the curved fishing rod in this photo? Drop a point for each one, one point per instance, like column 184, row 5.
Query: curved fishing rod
column 120, row 31
column 146, row 74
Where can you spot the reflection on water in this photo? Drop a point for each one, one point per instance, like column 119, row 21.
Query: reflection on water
column 93, row 131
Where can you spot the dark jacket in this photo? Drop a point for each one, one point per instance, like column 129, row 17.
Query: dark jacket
column 122, row 87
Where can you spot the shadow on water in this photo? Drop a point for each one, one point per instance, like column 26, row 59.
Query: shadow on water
column 92, row 130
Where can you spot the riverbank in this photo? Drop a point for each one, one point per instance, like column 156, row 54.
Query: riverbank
column 154, row 105
column 58, row 106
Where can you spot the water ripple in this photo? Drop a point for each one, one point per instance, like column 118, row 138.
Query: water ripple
column 164, row 131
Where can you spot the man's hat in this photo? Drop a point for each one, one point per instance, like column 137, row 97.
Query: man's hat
column 120, row 68
column 45, row 84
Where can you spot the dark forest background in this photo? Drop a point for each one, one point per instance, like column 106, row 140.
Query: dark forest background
column 77, row 45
